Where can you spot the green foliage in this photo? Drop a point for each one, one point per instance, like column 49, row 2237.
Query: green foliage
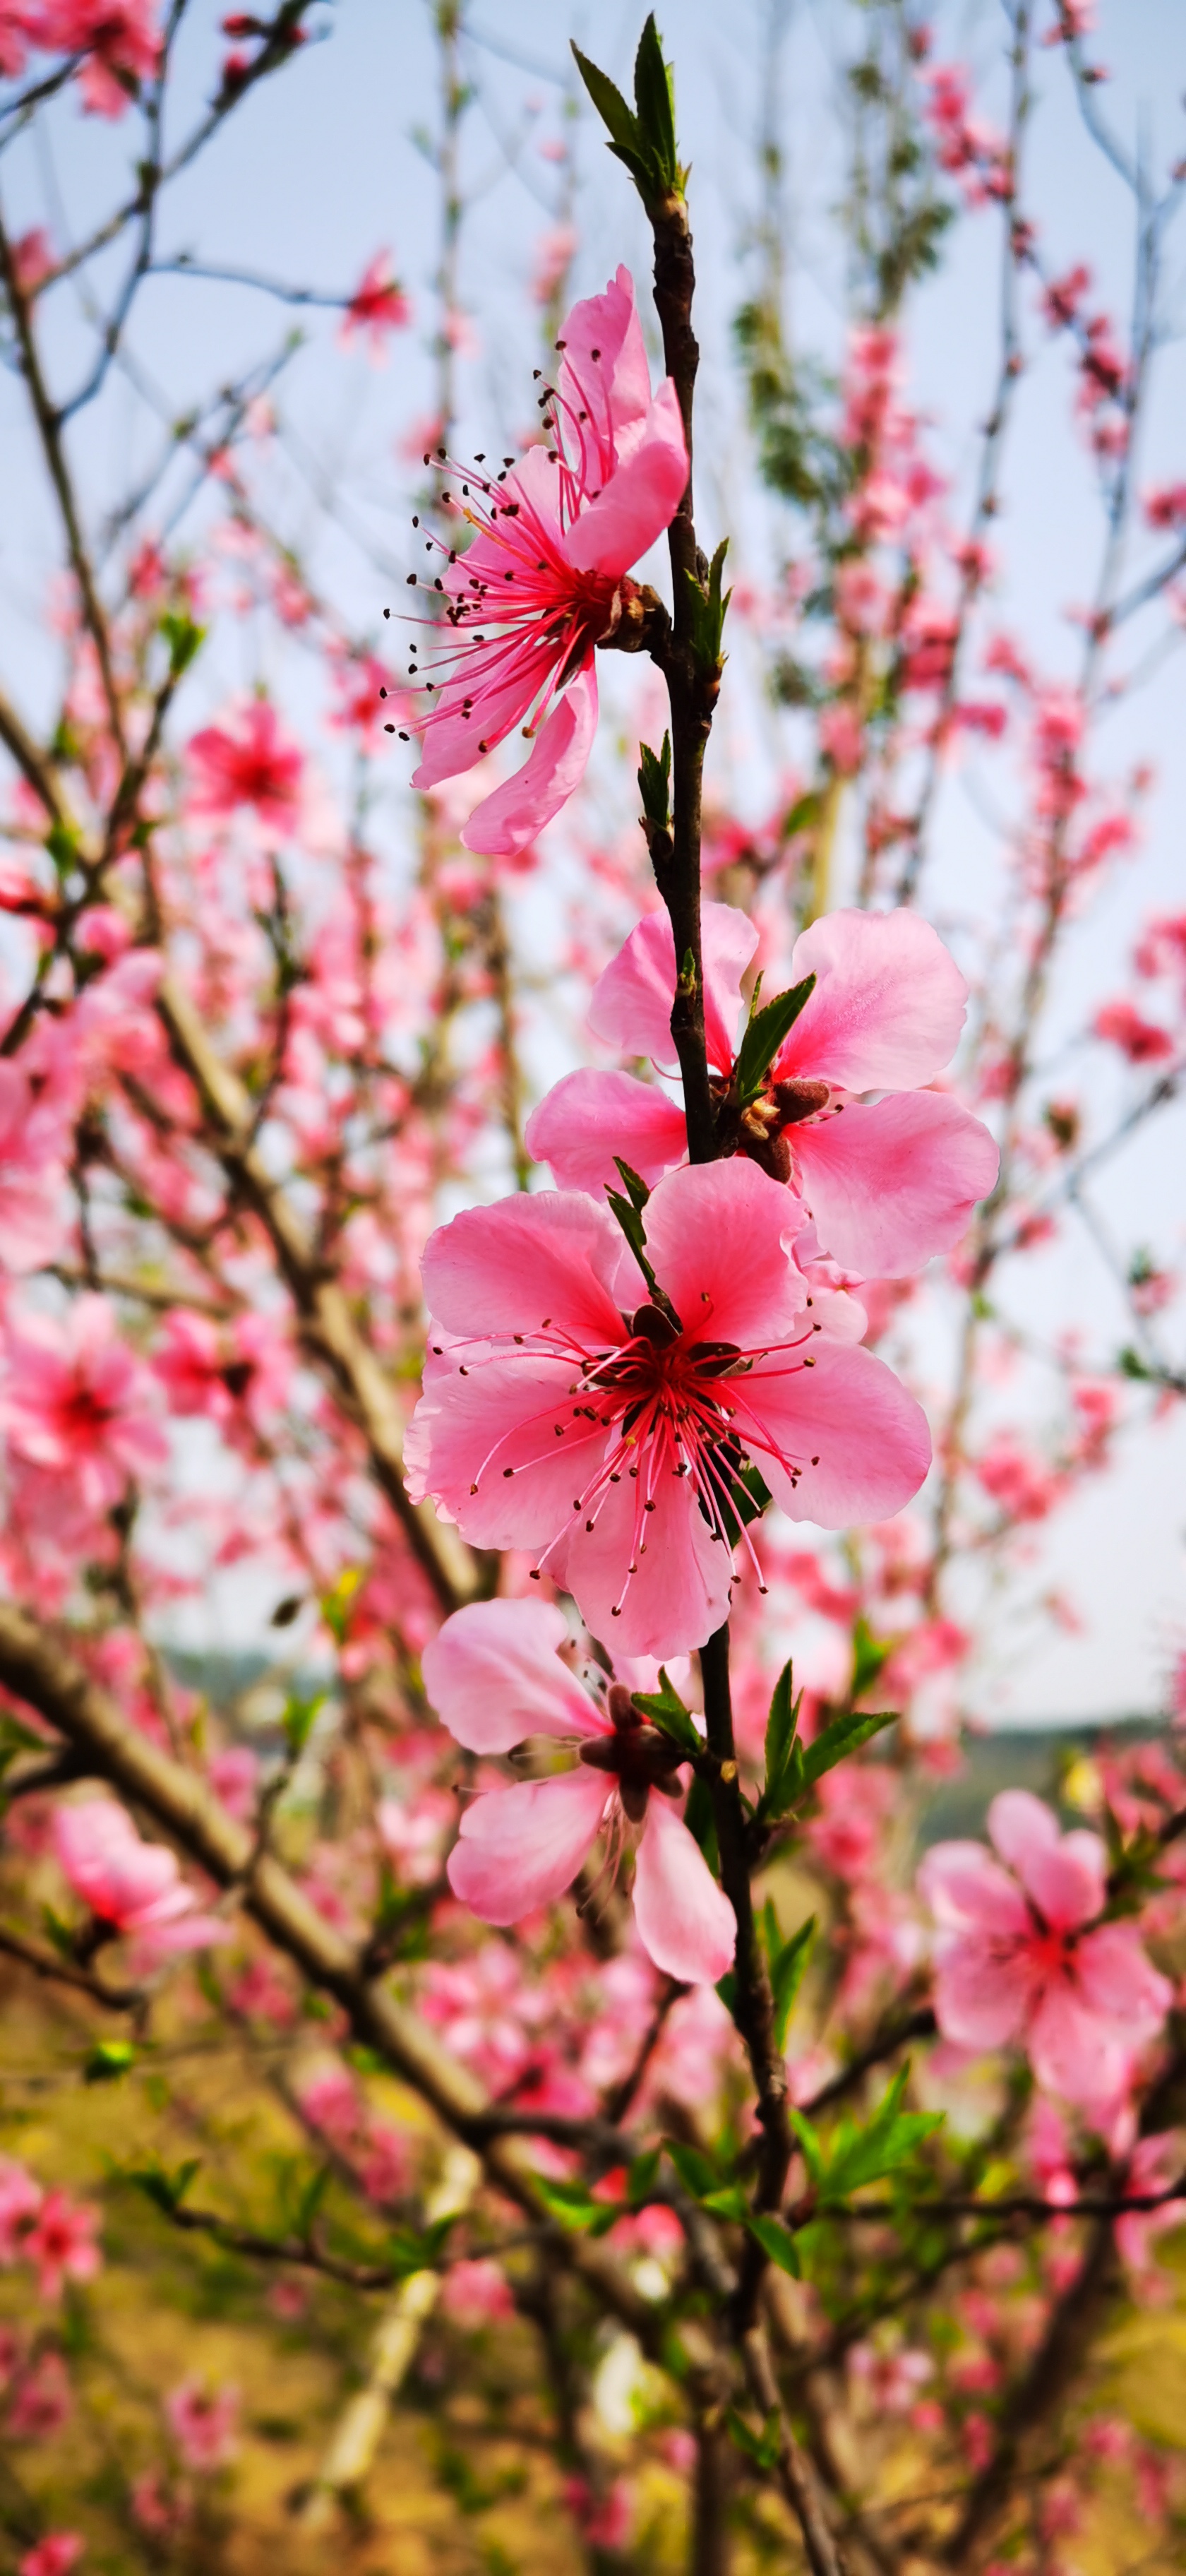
column 166, row 2189
column 761, row 2447
column 793, row 1768
column 869, row 1653
column 184, row 640
column 642, row 139
column 654, row 784
column 707, row 610
column 301, row 1711
column 666, row 1710
column 767, row 1031
column 108, row 2060
column 628, row 1210
column 335, row 1604
column 857, row 2154
column 788, row 1963
column 572, row 2205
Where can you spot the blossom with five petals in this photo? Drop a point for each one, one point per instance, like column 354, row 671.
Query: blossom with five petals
column 251, row 760
column 573, row 1409
column 887, row 1183
column 494, row 1676
column 76, row 1400
column 545, row 579
column 1023, row 1955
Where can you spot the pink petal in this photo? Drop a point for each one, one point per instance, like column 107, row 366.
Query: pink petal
column 1065, row 1875
column 1074, row 2052
column 685, row 1921
column 615, row 387
column 511, row 1267
column 521, row 1847
column 679, row 1595
column 1116, row 1978
column 849, row 1413
column 493, row 1675
column 980, row 2001
column 967, row 1890
column 511, row 1408
column 587, row 1118
column 632, row 1000
column 892, row 1184
column 453, row 741
column 508, row 821
column 719, row 1238
column 641, row 498
column 888, row 1005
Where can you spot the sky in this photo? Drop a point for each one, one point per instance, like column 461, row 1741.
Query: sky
column 327, row 164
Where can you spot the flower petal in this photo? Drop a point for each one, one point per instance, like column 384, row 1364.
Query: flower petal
column 980, row 1999
column 522, row 1847
column 679, row 1594
column 632, row 999
column 613, row 387
column 640, row 499
column 889, row 1185
column 1075, row 2053
column 507, row 1268
column 888, row 1005
column 685, row 1921
column 588, row 1118
column 467, row 1432
column 969, row 1891
column 508, row 821
column 1116, row 1978
column 493, row 1675
column 859, row 1442
column 719, row 1238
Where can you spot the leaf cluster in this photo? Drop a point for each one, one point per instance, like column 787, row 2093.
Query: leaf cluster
column 642, row 138
column 766, row 1033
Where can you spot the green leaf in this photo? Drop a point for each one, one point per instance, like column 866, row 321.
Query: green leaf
column 635, row 1187
column 706, row 612
column 654, row 99
column 108, row 2060
column 61, row 841
column 335, row 1604
column 762, row 2447
column 16, row 1739
column 886, row 2142
column 729, row 2202
column 787, row 1972
column 775, row 2240
column 845, row 1735
column 666, row 1710
column 184, row 640
column 810, row 2142
column 167, row 2189
column 629, row 1218
column 869, row 1653
column 611, row 107
column 696, row 2171
column 571, row 2204
column 781, row 1727
column 300, row 1716
column 767, row 1032
column 641, row 2177
column 409, row 2252
column 654, row 784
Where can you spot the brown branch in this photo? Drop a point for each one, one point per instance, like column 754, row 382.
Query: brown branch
column 49, row 1965
column 796, row 2476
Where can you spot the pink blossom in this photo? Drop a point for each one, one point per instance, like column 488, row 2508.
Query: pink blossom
column 203, row 2422
column 377, row 306
column 33, row 255
column 887, row 1183
column 1166, row 507
column 61, row 2242
column 42, row 2401
column 20, row 2200
column 120, row 39
column 624, row 1494
column 482, row 2004
column 76, row 1401
column 54, row 2555
column 20, row 28
column 1022, row 1954
column 135, row 1886
column 233, row 1774
column 251, row 760
column 1141, row 1040
column 553, row 252
column 543, row 583
column 495, row 1677
column 476, row 2293
column 32, row 1220
column 413, row 1835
